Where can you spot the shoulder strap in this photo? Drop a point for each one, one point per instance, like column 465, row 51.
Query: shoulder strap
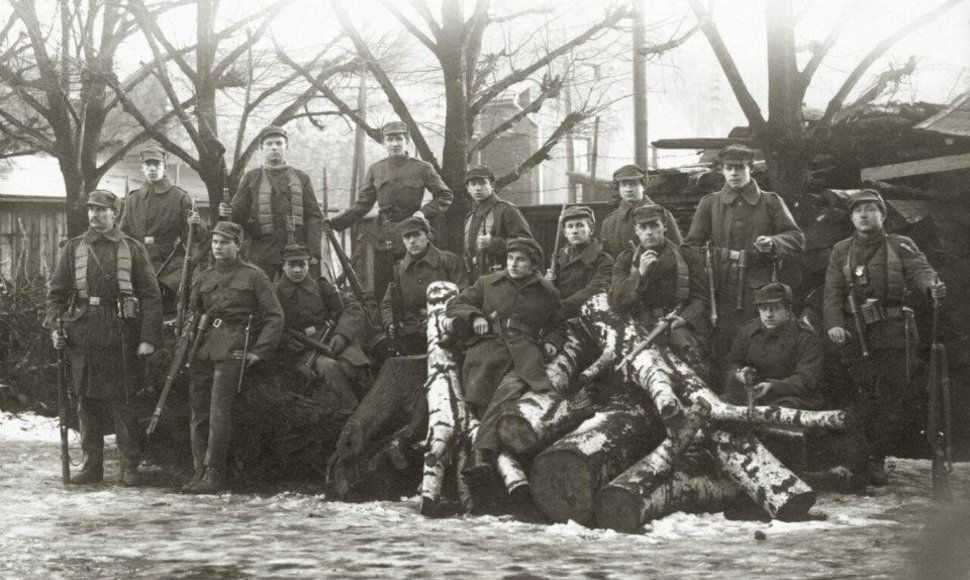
column 124, row 268
column 683, row 276
column 81, row 269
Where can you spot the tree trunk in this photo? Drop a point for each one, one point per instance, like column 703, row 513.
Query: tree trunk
column 628, row 511
column 566, row 476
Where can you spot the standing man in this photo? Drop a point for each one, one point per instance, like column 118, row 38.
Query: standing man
column 651, row 281
column 245, row 326
column 748, row 229
column 582, row 269
column 105, row 292
column 275, row 205
column 617, row 231
column 315, row 309
column 157, row 214
column 866, row 286
column 423, row 264
column 491, row 222
column 397, row 184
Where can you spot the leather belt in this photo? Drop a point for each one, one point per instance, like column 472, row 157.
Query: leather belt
column 874, row 311
column 505, row 325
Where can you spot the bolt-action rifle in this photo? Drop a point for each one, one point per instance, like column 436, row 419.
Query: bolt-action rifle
column 182, row 349
column 62, row 403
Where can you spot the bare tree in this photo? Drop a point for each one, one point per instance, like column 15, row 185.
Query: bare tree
column 783, row 135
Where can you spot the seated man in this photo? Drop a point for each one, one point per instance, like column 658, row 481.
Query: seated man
column 582, row 268
column 514, row 315
column 316, row 313
column 779, row 356
column 659, row 277
column 423, row 264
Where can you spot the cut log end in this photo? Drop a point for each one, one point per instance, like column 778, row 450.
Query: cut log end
column 562, row 486
column 618, row 509
column 517, row 434
column 797, row 506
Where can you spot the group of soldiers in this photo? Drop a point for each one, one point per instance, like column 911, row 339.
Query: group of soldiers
column 720, row 290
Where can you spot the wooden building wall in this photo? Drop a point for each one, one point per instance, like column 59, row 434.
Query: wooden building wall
column 31, row 233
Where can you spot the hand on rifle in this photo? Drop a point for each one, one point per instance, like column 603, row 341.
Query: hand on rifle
column 194, row 218
column 480, row 325
column 764, row 244
column 839, row 335
column 677, row 322
column 761, row 390
column 145, row 349
column 390, row 330
column 419, row 214
column 326, row 224
column 549, row 350
column 251, row 359
column 225, row 210
column 59, row 339
column 337, row 344
column 745, row 374
column 647, row 259
column 937, row 290
column 482, row 241
column 448, row 324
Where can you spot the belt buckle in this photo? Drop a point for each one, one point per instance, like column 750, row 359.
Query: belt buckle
column 734, row 255
column 217, row 323
column 94, row 301
column 149, row 239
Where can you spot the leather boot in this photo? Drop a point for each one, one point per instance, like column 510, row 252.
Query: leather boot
column 130, row 477
column 877, row 472
column 89, row 474
column 213, row 482
column 196, row 478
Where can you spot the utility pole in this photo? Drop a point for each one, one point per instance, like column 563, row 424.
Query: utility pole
column 570, row 148
column 640, row 145
column 357, row 170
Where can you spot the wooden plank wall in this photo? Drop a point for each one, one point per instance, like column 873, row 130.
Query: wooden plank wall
column 31, row 234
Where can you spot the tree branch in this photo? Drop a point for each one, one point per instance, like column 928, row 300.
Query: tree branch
column 542, row 154
column 410, row 26
column 422, row 9
column 151, row 28
column 670, row 44
column 820, row 51
column 269, row 14
column 27, row 134
column 544, row 9
column 550, row 88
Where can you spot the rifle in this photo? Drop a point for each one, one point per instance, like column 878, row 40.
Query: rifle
column 397, row 303
column 183, row 299
column 480, row 254
column 857, row 320
column 709, row 264
column 663, row 324
column 199, row 331
column 242, row 366
column 742, row 277
column 62, row 402
column 749, row 392
column 178, row 361
column 308, row 342
column 939, row 439
column 227, row 199
column 349, row 274
column 555, row 247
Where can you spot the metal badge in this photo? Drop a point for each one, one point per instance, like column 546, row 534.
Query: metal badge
column 94, row 301
column 149, row 240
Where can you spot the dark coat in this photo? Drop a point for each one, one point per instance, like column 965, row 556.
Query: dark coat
column 581, row 276
column 533, row 302
column 311, row 305
column 264, row 250
column 416, row 275
column 231, row 292
column 506, row 222
column 94, row 331
column 617, row 229
column 790, row 358
column 916, row 273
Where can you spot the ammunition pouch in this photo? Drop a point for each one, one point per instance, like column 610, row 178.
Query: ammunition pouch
column 873, row 311
column 393, row 213
column 129, row 308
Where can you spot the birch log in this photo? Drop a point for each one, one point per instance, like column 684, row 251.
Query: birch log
column 511, row 471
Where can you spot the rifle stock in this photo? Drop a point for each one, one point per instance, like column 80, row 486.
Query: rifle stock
column 307, row 341
column 183, row 298
column 857, row 322
column 178, row 361
column 662, row 325
column 349, row 273
column 711, row 290
column 555, row 246
column 62, row 402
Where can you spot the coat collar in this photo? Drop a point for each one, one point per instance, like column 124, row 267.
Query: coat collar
column 503, row 276
column 93, row 235
column 589, row 254
column 432, row 257
column 750, row 193
column 163, row 185
column 485, row 206
column 288, row 288
column 626, row 208
column 787, row 329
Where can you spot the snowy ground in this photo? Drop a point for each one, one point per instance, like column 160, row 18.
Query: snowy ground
column 107, row 531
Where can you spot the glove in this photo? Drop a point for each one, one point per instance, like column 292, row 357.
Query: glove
column 337, row 344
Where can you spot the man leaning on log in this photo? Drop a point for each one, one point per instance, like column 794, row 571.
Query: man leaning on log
column 323, row 331
column 514, row 316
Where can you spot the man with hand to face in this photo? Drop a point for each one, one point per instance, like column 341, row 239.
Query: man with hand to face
column 105, row 292
column 491, row 222
column 629, row 182
column 582, row 269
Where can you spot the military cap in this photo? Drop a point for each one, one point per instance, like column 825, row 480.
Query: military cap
column 579, row 212
column 527, row 245
column 415, row 224
column 866, row 195
column 102, row 198
column 629, row 172
column 152, row 154
column 271, row 131
column 735, row 153
column 648, row 213
column 295, row 252
column 394, row 128
column 229, row 230
column 772, row 292
column 479, row 172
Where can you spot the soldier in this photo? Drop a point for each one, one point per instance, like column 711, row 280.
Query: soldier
column 658, row 276
column 748, row 229
column 245, row 326
column 489, row 224
column 397, row 184
column 582, row 269
column 158, row 214
column 780, row 355
column 105, row 292
column 866, row 285
column 316, row 310
column 617, row 231
column 423, row 264
column 514, row 318
column 276, row 206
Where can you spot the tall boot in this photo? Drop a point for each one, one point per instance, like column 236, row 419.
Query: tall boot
column 92, row 443
column 128, row 437
column 213, row 482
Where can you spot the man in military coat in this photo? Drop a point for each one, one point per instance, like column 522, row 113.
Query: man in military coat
column 489, row 224
column 275, row 205
column 877, row 270
column 105, row 292
column 514, row 317
column 245, row 326
column 423, row 264
column 315, row 309
column 158, row 215
column 582, row 269
column 659, row 276
column 617, row 230
column 397, row 184
column 748, row 230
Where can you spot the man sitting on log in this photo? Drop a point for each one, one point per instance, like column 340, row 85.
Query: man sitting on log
column 323, row 330
column 775, row 356
column 582, row 269
column 515, row 316
column 404, row 314
column 653, row 279
column 866, row 285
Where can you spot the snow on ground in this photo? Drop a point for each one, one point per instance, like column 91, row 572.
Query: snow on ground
column 108, row 531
